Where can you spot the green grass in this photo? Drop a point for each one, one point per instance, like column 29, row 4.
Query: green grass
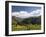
column 26, row 27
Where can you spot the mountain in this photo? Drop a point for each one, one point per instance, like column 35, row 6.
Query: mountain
column 24, row 17
column 31, row 20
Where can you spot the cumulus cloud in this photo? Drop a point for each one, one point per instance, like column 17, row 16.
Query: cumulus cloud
column 25, row 14
column 36, row 13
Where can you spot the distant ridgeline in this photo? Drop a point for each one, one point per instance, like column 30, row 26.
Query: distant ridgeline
column 31, row 20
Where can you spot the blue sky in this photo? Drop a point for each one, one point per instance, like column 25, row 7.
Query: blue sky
column 26, row 11
column 24, row 8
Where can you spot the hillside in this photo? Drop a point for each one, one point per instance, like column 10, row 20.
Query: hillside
column 31, row 20
column 32, row 23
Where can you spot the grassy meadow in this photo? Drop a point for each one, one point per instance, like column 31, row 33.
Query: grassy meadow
column 28, row 27
column 22, row 27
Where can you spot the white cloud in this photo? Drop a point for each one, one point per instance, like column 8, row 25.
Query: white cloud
column 24, row 14
column 36, row 13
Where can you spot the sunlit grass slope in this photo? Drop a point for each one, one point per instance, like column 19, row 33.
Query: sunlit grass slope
column 26, row 27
